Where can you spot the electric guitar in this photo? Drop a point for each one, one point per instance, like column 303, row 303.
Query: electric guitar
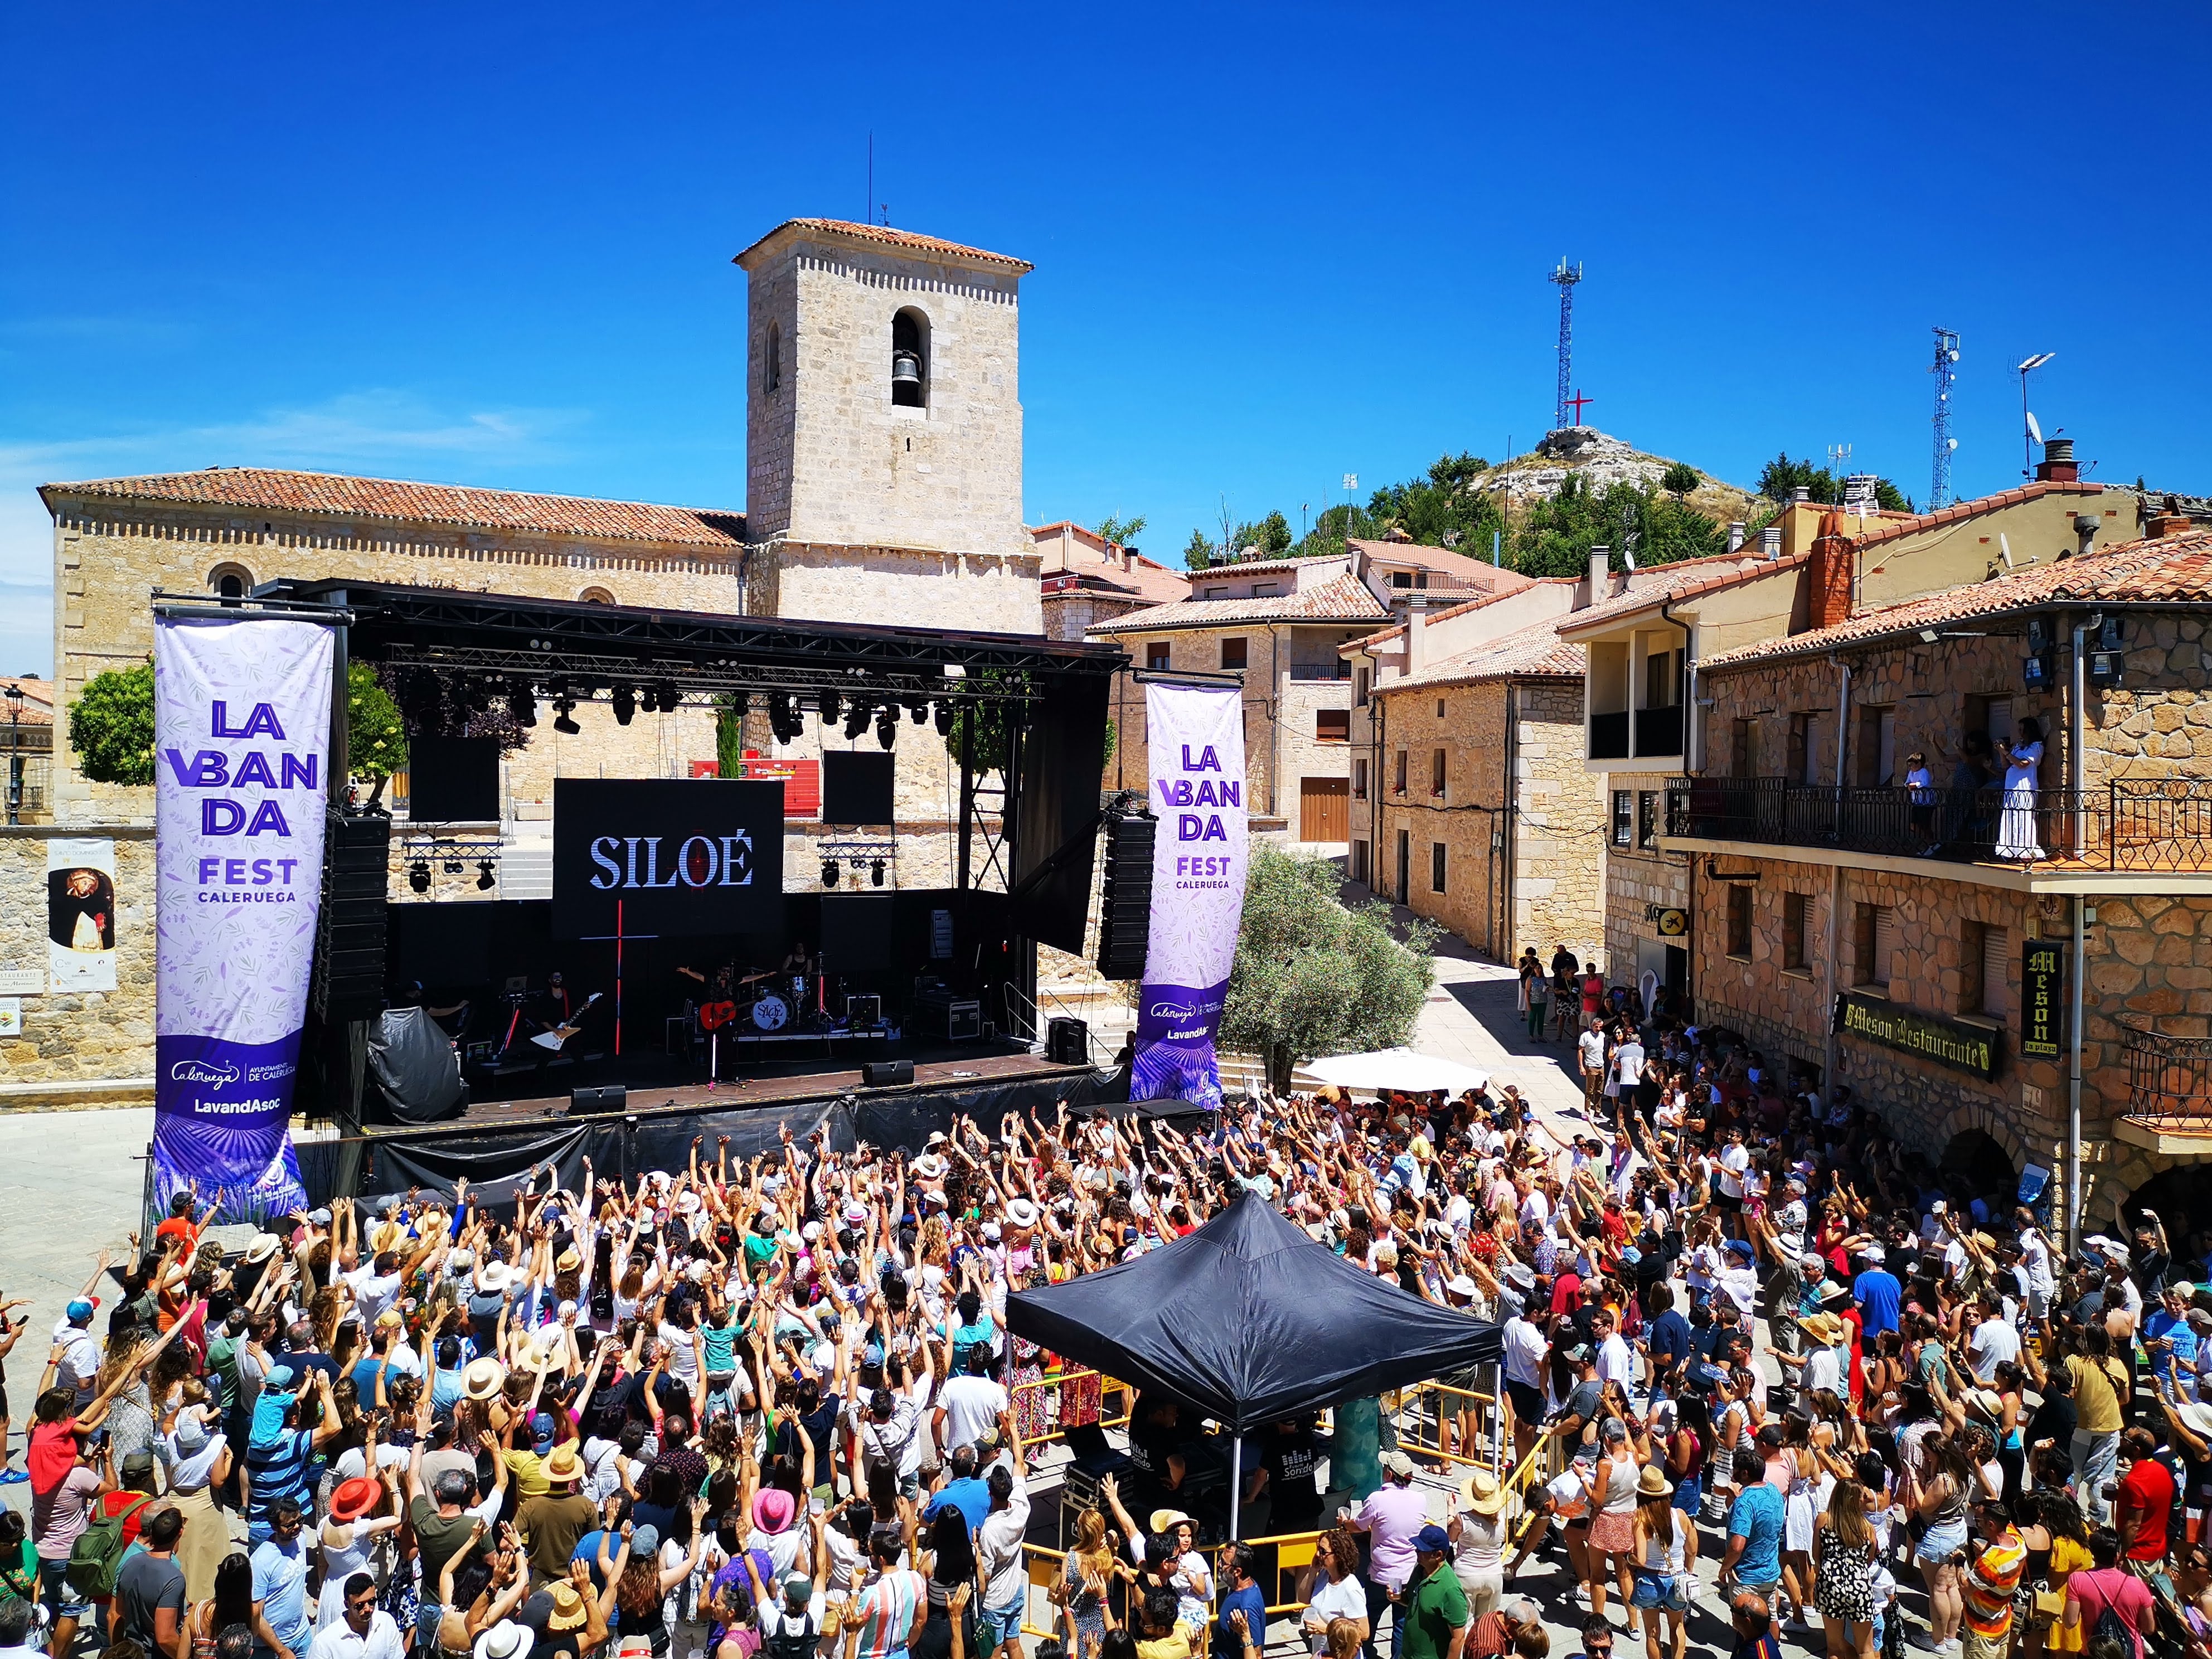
column 560, row 1035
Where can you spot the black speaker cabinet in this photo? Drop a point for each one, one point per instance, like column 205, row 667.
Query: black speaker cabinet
column 597, row 1103
column 348, row 979
column 864, row 1010
column 1068, row 1041
column 887, row 1073
column 1125, row 918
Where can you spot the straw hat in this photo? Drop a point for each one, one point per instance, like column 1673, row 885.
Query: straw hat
column 263, row 1247
column 1481, row 1493
column 532, row 1355
column 1824, row 1329
column 1165, row 1520
column 568, row 1613
column 563, row 1466
column 483, row 1379
column 1653, row 1482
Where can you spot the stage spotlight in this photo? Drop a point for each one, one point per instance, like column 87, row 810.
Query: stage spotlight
column 564, row 707
column 943, row 719
column 418, row 875
column 624, row 700
column 486, row 879
column 887, row 725
column 452, row 866
column 857, row 719
column 521, row 702
column 671, row 699
column 917, row 709
column 828, row 872
column 876, row 873
column 831, row 707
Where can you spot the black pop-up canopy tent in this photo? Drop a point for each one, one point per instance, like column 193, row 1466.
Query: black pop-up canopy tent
column 1251, row 1322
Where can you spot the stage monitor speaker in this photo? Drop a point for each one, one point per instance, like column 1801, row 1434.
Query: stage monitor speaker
column 856, row 787
column 1068, row 1041
column 453, row 779
column 1126, row 916
column 864, row 1010
column 856, row 933
column 598, row 1102
column 348, row 982
column 886, row 1073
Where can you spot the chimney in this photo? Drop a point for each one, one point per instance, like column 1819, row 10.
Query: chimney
column 1803, row 493
column 2169, row 521
column 2085, row 526
column 1834, row 559
column 1417, row 628
column 2057, row 465
column 1594, row 584
column 1770, row 542
column 1735, row 534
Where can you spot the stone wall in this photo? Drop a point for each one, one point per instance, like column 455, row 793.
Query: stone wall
column 73, row 1041
column 1637, row 877
column 1558, row 828
column 989, row 592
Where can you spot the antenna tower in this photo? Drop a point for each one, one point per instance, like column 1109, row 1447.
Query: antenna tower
column 1945, row 370
column 1567, row 276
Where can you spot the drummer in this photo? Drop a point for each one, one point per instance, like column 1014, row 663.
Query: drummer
column 798, row 960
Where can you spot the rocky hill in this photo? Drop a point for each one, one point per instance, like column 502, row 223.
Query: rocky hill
column 1604, row 460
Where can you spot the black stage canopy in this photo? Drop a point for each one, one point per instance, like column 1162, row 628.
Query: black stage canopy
column 1250, row 1321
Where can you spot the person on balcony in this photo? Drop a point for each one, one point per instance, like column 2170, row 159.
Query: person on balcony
column 2023, row 763
column 1922, row 797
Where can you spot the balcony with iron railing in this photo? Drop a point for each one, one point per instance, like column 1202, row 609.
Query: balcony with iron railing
column 2169, row 1082
column 2133, row 825
column 1337, row 669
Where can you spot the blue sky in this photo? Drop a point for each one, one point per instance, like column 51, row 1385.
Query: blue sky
column 1273, row 244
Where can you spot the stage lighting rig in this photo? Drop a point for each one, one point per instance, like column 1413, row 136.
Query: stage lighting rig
column 943, row 718
column 564, row 707
column 828, row 872
column 831, row 706
column 485, row 877
column 522, row 703
column 624, row 699
column 670, row 699
column 917, row 710
column 887, row 725
column 876, row 873
column 418, row 875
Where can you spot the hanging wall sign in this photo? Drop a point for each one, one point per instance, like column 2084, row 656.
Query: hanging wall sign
column 80, row 915
column 2042, row 988
column 1974, row 1049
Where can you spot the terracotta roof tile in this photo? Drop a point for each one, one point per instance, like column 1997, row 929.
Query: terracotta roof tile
column 1342, row 599
column 1449, row 560
column 345, row 496
column 906, row 240
column 1388, row 634
column 2172, row 570
column 1677, row 581
column 1919, row 522
column 1536, row 652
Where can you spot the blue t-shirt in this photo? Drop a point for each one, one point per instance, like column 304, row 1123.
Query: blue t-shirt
column 1757, row 1519
column 1227, row 1644
column 1670, row 1340
column 971, row 1496
column 280, row 1584
column 2159, row 1325
column 1878, row 1292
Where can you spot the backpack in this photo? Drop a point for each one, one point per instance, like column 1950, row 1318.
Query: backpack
column 98, row 1552
column 2110, row 1626
column 784, row 1643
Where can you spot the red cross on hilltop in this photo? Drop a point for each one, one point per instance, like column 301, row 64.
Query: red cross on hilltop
column 1575, row 404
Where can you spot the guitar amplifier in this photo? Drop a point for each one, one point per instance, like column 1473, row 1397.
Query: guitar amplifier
column 598, row 1102
column 864, row 1010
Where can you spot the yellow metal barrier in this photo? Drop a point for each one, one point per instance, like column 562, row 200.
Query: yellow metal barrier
column 1450, row 1402
column 1106, row 1385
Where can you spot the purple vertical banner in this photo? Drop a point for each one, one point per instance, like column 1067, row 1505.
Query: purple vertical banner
column 1196, row 739
column 241, row 752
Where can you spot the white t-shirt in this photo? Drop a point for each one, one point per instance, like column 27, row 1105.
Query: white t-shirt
column 1524, row 1353
column 1344, row 1599
column 1736, row 1158
column 1992, row 1343
column 1628, row 1064
column 372, row 1293
column 972, row 1405
column 1591, row 1046
column 1614, row 1362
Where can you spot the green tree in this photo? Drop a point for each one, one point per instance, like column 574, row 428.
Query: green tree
column 1119, row 531
column 376, row 738
column 1557, row 536
column 1781, row 475
column 1198, row 552
column 1679, row 479
column 729, row 736
column 1313, row 977
column 111, row 726
column 1271, row 535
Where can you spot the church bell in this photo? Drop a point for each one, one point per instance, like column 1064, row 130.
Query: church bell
column 906, row 368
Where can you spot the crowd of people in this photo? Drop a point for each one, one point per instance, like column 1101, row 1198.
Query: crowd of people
column 772, row 1404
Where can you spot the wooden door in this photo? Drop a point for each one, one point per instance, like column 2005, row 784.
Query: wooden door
column 1324, row 809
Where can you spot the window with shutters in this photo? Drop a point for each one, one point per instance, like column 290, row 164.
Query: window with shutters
column 1398, row 775
column 1155, row 653
column 1359, row 778
column 1624, row 817
column 1743, row 759
column 1331, row 726
column 1435, row 867
column 1877, row 757
column 1232, row 654
column 1739, row 920
column 1439, row 760
column 1875, row 942
column 1360, row 682
column 1796, row 910
column 1647, row 817
column 1988, row 957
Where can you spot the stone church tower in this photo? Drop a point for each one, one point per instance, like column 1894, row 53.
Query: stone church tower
column 883, row 430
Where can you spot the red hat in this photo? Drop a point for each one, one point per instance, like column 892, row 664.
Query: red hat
column 354, row 1498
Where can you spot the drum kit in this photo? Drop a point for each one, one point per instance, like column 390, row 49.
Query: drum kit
column 782, row 1002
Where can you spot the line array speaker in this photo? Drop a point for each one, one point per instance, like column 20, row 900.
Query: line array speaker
column 348, row 973
column 1125, row 918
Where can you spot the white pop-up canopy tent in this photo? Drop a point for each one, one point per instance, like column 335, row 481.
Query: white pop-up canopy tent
column 1396, row 1068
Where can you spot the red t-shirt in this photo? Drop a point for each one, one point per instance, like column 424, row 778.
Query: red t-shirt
column 1564, row 1289
column 177, row 1227
column 2148, row 1490
column 1593, row 994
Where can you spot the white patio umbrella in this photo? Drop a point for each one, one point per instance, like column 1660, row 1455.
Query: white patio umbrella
column 1396, row 1068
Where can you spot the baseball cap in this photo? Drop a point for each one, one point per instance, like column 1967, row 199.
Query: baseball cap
column 80, row 1309
column 1431, row 1539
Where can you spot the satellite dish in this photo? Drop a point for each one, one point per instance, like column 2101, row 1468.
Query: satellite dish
column 2005, row 548
column 1953, row 442
column 1628, row 558
column 2033, row 431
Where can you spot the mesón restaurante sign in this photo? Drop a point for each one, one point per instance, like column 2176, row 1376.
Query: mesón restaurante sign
column 1974, row 1049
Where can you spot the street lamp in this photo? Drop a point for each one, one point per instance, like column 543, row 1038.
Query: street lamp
column 2029, row 435
column 15, row 693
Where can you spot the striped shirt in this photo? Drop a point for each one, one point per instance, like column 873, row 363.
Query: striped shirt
column 1990, row 1580
column 278, row 1468
column 884, row 1608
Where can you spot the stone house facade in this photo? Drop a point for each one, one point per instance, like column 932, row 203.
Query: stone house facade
column 1823, row 890
column 1086, row 580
